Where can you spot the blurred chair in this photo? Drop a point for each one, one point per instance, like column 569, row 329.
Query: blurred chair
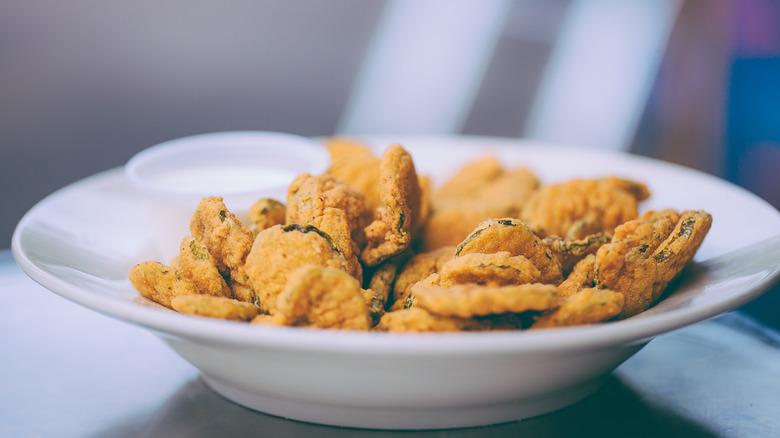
column 428, row 59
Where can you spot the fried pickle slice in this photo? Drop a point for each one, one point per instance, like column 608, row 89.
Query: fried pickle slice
column 515, row 237
column 214, row 307
column 580, row 277
column 197, row 264
column 679, row 248
column 478, row 191
column 356, row 165
column 420, row 320
column 597, row 205
column 221, row 233
column 160, row 283
column 495, row 269
column 391, row 231
column 280, row 250
column 570, row 251
column 380, row 289
column 633, row 263
column 587, row 306
column 467, row 300
column 319, row 297
column 266, row 213
column 334, row 208
column 339, row 147
column 418, row 268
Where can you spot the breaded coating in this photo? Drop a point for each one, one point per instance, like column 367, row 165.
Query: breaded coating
column 266, row 213
column 160, row 283
column 602, row 204
column 481, row 190
column 580, row 277
column 225, row 237
column 334, row 208
column 196, row 263
column 418, row 268
column 448, row 226
column 391, row 231
column 645, row 254
column 569, row 252
column 280, row 250
column 214, row 307
column 319, row 297
column 345, row 147
column 515, row 237
column 361, row 172
column 467, row 300
column 420, row 320
column 494, row 269
column 588, row 306
column 380, row 288
column 679, row 248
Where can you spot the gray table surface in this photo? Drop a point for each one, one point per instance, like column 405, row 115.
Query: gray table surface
column 67, row 371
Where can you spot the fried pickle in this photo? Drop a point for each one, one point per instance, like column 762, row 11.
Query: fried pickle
column 321, row 297
column 391, row 231
column 418, row 268
column 645, row 254
column 421, row 320
column 334, row 208
column 598, row 205
column 495, row 269
column 515, row 237
column 280, row 250
column 197, row 264
column 161, row 283
column 467, row 300
column 587, row 306
column 266, row 213
column 214, row 307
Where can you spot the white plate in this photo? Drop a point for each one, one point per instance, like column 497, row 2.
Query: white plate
column 81, row 241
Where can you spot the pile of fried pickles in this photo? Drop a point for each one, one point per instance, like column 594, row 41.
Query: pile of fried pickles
column 372, row 245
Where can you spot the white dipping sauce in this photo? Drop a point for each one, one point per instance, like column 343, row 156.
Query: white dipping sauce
column 219, row 179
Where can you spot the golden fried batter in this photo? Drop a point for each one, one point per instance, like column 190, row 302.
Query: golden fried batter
column 644, row 253
column 467, row 300
column 570, row 252
column 515, row 237
column 280, row 250
column 420, row 320
column 601, row 204
column 588, row 306
column 266, row 213
column 480, row 190
column 197, row 264
column 161, row 283
column 397, row 218
column 679, row 248
column 214, row 307
column 361, row 172
column 579, row 278
column 225, row 237
column 379, row 289
column 494, row 269
column 334, row 208
column 418, row 268
column 470, row 178
column 345, row 147
column 320, row 297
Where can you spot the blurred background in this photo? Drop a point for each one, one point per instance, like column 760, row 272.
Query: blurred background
column 84, row 84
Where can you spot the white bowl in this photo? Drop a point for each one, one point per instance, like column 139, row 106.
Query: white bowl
column 406, row 381
column 241, row 167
